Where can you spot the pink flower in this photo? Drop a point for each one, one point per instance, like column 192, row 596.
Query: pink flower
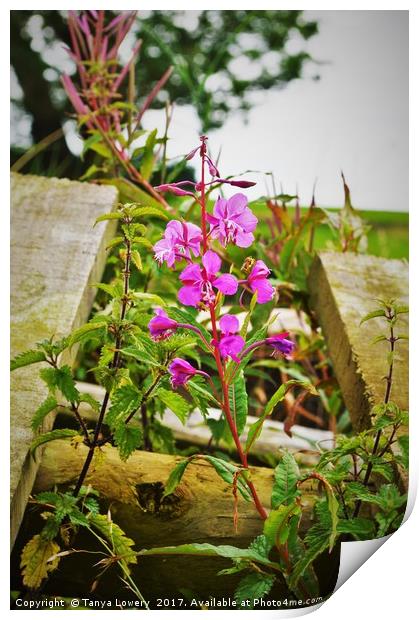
column 229, row 344
column 199, row 281
column 232, row 221
column 258, row 282
column 180, row 372
column 280, row 343
column 161, row 326
column 179, row 240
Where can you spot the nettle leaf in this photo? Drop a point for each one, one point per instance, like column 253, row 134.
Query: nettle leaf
column 89, row 400
column 175, row 402
column 115, row 215
column 26, row 358
column 121, row 544
column 43, row 410
column 359, row 527
column 276, row 528
column 238, row 402
column 373, row 315
column 175, row 477
column 253, row 586
column 318, row 538
column 34, row 561
column 136, row 259
column 147, row 212
column 125, row 399
column 140, row 355
column 61, row 378
column 296, row 550
column 58, row 433
column 84, row 333
column 403, row 442
column 127, row 438
column 286, row 476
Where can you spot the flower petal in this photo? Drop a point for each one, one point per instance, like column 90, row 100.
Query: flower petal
column 229, row 324
column 211, row 262
column 244, row 240
column 227, row 284
column 190, row 295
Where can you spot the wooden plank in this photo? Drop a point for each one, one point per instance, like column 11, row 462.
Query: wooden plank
column 272, row 440
column 56, row 255
column 343, row 289
column 200, row 510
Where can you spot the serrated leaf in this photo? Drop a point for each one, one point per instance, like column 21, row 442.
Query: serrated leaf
column 276, row 523
column 65, row 382
column 252, row 587
column 121, row 544
column 43, row 410
column 114, row 242
column 140, row 355
column 89, row 400
column 227, row 472
column 359, row 527
column 127, row 439
column 372, row 315
column 319, row 541
column 136, row 259
column 125, row 399
column 175, row 477
column 149, row 212
column 34, row 561
column 58, row 433
column 83, row 333
column 150, row 297
column 115, row 215
column 26, row 358
column 286, row 476
column 175, row 402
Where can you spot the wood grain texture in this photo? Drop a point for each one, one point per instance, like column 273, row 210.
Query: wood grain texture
column 56, row 255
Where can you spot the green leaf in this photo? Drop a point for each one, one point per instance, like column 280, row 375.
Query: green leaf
column 372, row 315
column 65, row 383
column 89, row 400
column 83, row 333
column 227, row 472
column 121, row 544
column 238, row 402
column 206, row 549
column 114, row 242
column 150, row 212
column 127, row 438
column 125, row 399
column 253, row 586
column 282, row 391
column 275, row 527
column 115, row 215
column 26, row 358
column 286, row 476
column 175, row 402
column 140, row 355
column 147, row 161
column 58, row 433
column 175, row 477
column 359, row 527
column 43, row 410
column 318, row 537
column 136, row 259
column 150, row 297
column 333, row 505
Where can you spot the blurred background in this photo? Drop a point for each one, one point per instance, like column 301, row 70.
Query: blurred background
column 301, row 95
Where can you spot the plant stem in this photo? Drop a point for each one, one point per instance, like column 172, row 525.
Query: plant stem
column 389, row 380
column 113, row 365
column 216, row 353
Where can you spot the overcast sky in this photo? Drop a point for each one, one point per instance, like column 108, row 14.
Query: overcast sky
column 355, row 118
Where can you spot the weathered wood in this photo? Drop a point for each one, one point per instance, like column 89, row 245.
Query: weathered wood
column 343, row 289
column 56, row 255
column 200, row 510
column 304, row 441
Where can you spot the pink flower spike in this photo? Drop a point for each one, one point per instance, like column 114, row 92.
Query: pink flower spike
column 232, row 221
column 180, row 372
column 258, row 282
column 161, row 326
column 175, row 188
column 73, row 95
column 190, row 155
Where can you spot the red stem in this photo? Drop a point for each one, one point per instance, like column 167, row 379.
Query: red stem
column 217, row 356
